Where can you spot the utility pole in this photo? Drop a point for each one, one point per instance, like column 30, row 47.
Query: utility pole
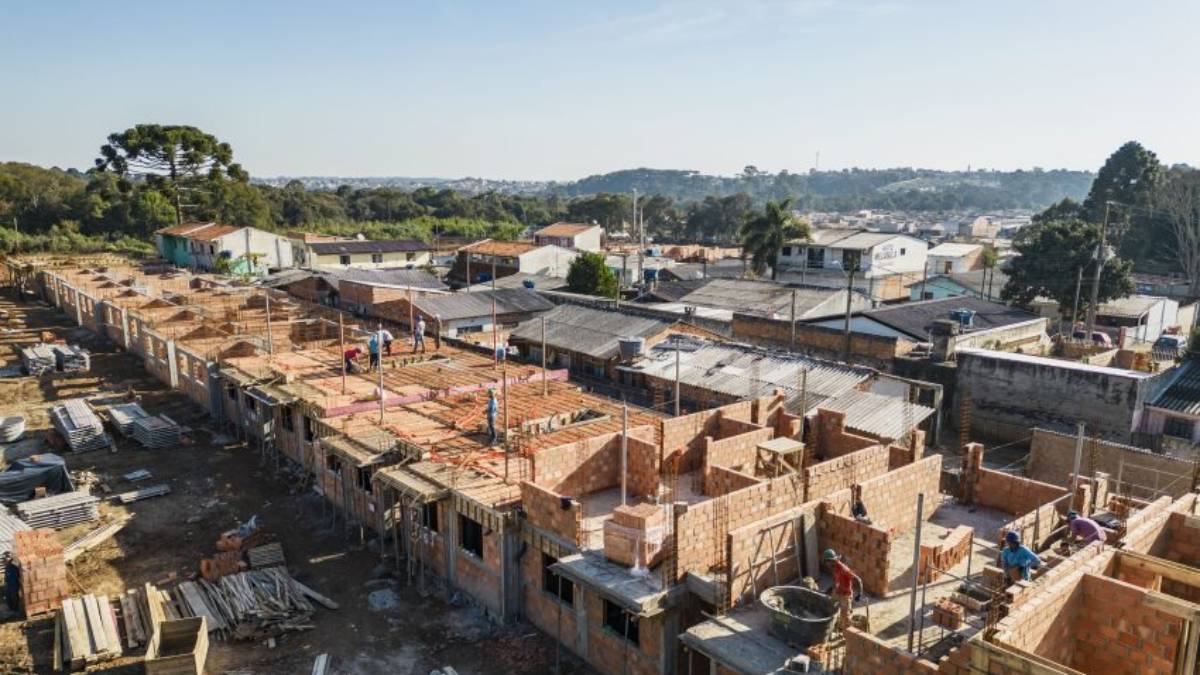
column 342, row 349
column 677, row 379
column 379, row 357
column 792, row 344
column 545, row 386
column 504, row 391
column 468, row 252
column 1100, row 260
column 803, row 396
column 924, row 278
column 1075, row 309
column 270, row 342
column 624, row 447
column 854, row 258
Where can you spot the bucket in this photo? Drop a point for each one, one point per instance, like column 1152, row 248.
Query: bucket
column 799, row 616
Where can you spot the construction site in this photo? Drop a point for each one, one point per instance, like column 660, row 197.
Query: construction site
column 574, row 533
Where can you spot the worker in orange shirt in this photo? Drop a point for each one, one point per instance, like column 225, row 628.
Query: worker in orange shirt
column 843, row 586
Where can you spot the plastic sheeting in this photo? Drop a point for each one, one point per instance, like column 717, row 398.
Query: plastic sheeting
column 23, row 476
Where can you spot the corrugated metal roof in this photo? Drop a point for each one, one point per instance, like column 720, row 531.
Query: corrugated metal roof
column 589, row 331
column 1183, row 395
column 878, row 415
column 410, row 278
column 1131, row 307
column 916, row 318
column 745, row 372
column 949, row 250
column 745, row 295
column 479, row 303
column 381, row 246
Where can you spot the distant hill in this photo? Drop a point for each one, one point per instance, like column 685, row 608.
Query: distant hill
column 900, row 188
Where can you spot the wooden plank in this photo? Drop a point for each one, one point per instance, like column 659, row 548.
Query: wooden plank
column 58, row 642
column 195, row 600
column 109, row 617
column 85, row 635
column 321, row 665
column 135, row 607
column 95, row 625
column 1184, row 574
column 154, row 604
column 75, row 646
column 315, row 595
column 1168, row 604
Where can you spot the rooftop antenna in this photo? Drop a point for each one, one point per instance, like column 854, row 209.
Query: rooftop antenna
column 817, row 163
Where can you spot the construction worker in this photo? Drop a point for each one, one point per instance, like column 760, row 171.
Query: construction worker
column 388, row 338
column 1084, row 530
column 492, row 408
column 1017, row 559
column 843, row 586
column 373, row 348
column 419, row 335
column 350, row 355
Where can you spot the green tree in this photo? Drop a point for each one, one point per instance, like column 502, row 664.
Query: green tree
column 152, row 210
column 170, row 158
column 1129, row 179
column 764, row 234
column 589, row 274
column 1051, row 254
column 609, row 210
column 1066, row 209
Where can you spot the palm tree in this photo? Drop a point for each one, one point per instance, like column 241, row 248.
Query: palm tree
column 764, row 234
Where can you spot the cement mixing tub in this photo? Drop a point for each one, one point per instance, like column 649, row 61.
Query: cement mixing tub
column 799, row 616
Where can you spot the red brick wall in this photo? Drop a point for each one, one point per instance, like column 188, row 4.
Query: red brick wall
column 1013, row 494
column 543, row 609
column 867, row 655
column 891, row 499
column 750, row 550
column 830, row 439
column 736, row 452
column 1117, row 633
column 580, row 468
column 719, row 480
column 642, row 464
column 544, row 509
column 840, row 473
column 687, row 432
column 865, row 548
column 816, row 339
column 610, row 652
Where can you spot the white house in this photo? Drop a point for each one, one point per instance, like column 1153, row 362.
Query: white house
column 955, row 258
column 878, row 253
column 248, row 250
column 477, row 262
column 571, row 235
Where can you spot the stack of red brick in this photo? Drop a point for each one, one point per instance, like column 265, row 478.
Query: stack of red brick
column 43, row 570
column 945, row 554
column 948, row 613
column 634, row 536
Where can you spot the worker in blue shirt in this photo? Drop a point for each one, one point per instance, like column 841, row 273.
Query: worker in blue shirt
column 1016, row 559
column 373, row 348
column 492, row 407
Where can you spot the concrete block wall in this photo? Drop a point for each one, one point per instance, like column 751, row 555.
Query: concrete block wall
column 544, row 509
column 1118, row 632
column 1052, row 457
column 865, row 548
column 842, row 472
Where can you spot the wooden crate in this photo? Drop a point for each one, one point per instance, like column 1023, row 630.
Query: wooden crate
column 179, row 647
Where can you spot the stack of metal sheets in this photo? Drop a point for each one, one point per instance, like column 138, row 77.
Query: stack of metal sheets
column 156, row 432
column 60, row 511
column 79, row 426
column 70, row 358
column 39, row 359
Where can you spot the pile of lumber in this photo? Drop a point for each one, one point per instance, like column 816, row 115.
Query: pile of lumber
column 79, row 426
column 156, row 432
column 123, row 415
column 39, row 359
column 251, row 605
column 59, row 511
column 72, row 359
column 93, row 539
column 85, row 632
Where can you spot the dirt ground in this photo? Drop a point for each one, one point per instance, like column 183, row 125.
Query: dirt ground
column 382, row 626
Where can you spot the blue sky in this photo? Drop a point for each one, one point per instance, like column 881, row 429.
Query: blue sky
column 559, row 90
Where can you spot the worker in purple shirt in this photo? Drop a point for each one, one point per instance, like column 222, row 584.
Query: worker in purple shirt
column 1084, row 530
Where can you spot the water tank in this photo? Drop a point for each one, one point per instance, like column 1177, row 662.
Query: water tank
column 631, row 348
column 528, row 283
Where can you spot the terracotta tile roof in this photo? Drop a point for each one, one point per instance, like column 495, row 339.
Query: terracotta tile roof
column 503, row 248
column 213, row 231
column 184, row 228
column 563, row 230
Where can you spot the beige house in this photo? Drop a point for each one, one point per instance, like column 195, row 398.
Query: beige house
column 369, row 254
